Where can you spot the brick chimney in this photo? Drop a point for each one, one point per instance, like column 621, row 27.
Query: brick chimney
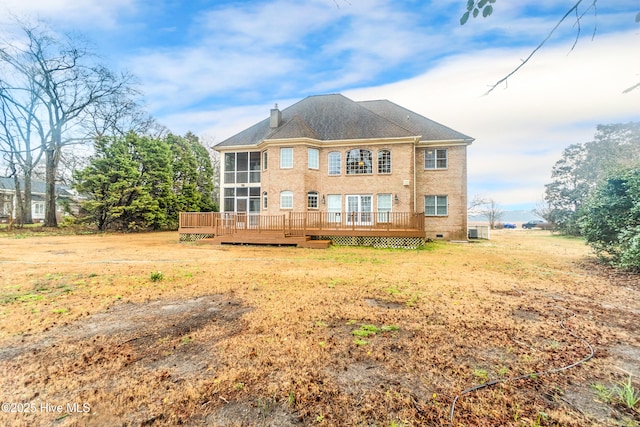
column 276, row 117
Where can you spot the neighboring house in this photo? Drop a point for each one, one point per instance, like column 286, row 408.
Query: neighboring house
column 8, row 200
column 350, row 168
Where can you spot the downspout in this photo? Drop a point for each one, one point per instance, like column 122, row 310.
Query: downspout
column 415, row 167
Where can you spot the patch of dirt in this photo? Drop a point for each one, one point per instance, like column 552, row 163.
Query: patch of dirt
column 526, row 315
column 265, row 413
column 160, row 340
column 136, row 325
column 375, row 302
column 627, row 359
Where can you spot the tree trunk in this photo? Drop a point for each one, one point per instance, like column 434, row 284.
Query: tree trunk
column 27, row 216
column 52, row 157
column 17, row 202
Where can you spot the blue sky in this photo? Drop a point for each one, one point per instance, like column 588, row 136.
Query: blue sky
column 216, row 67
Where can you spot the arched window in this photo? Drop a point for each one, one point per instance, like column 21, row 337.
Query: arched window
column 384, row 161
column 312, row 200
column 265, row 205
column 335, row 168
column 359, row 162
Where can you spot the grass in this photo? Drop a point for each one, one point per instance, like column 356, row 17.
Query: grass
column 347, row 336
column 622, row 394
column 156, row 276
column 368, row 330
column 627, row 394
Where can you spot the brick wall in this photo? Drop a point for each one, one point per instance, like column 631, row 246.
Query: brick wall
column 451, row 182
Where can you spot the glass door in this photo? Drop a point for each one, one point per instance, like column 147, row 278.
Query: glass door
column 359, row 209
column 334, row 208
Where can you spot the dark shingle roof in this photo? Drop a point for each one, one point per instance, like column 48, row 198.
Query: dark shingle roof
column 37, row 187
column 336, row 117
column 417, row 124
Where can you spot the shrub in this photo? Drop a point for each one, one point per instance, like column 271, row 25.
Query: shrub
column 610, row 219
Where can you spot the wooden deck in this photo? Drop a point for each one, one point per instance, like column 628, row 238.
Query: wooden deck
column 299, row 228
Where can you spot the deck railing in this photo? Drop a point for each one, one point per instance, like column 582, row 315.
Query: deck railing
column 198, row 219
column 299, row 223
column 358, row 220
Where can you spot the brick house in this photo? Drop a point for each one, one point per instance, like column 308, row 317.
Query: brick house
column 351, row 166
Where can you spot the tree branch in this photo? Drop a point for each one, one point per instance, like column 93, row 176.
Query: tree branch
column 573, row 9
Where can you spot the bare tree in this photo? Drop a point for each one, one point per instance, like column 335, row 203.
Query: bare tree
column 492, row 212
column 544, row 210
column 120, row 114
column 20, row 140
column 208, row 142
column 476, row 203
column 66, row 83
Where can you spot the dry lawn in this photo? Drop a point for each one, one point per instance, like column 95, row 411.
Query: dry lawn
column 278, row 336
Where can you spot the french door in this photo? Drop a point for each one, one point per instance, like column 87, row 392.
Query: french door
column 359, row 209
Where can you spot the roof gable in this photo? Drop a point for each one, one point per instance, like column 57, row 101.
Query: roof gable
column 294, row 128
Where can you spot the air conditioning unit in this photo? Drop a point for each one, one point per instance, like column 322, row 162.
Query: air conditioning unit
column 405, row 182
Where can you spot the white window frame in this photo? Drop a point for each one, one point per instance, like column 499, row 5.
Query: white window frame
column 384, row 162
column 312, row 200
column 38, row 208
column 436, row 158
column 440, row 205
column 313, row 158
column 385, row 204
column 334, row 162
column 286, row 158
column 359, row 161
column 286, row 199
column 334, row 208
column 359, row 209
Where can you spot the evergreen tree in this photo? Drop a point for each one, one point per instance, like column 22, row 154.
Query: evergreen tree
column 128, row 184
column 109, row 183
column 610, row 219
column 141, row 183
column 583, row 166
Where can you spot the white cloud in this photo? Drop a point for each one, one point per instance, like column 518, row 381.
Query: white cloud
column 521, row 128
column 82, row 13
column 258, row 25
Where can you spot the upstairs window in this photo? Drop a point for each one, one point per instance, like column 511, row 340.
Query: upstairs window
column 254, row 166
column 384, row 161
column 242, row 167
column 435, row 158
column 313, row 158
column 334, row 163
column 286, row 158
column 359, row 162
